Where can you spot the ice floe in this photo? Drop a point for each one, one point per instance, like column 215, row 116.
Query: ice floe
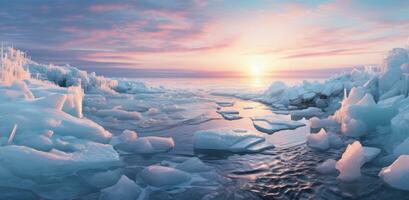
column 129, row 141
column 233, row 140
column 319, row 140
column 273, row 123
column 229, row 113
column 349, row 166
column 124, row 189
column 327, row 167
column 397, row 174
column 161, row 176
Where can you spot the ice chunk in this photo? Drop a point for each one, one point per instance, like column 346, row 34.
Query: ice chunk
column 101, row 179
column 124, row 189
column 350, row 163
column 119, row 114
column 231, row 116
column 126, row 138
column 334, row 140
column 317, row 123
column 327, row 167
column 370, row 153
column 397, row 174
column 147, row 145
column 55, row 101
column 225, row 103
column 366, row 100
column 353, row 128
column 391, row 68
column 275, row 89
column 73, row 104
column 228, row 111
column 319, row 140
column 160, row 176
column 236, row 140
column 307, row 113
column 89, row 155
column 273, row 123
column 402, row 148
column 193, row 165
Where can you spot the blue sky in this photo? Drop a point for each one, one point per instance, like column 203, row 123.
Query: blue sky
column 209, row 36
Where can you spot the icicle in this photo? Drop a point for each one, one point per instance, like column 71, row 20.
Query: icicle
column 12, row 134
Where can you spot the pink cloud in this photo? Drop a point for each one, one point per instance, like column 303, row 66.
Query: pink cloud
column 107, row 7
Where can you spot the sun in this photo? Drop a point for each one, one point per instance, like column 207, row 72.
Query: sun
column 255, row 65
column 256, row 70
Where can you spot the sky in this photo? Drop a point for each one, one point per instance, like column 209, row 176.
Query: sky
column 215, row 38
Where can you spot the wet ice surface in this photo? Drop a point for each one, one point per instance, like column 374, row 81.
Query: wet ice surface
column 284, row 172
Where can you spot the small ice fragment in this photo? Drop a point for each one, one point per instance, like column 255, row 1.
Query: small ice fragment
column 397, row 174
column 319, row 140
column 193, row 165
column 124, row 189
column 327, row 167
column 350, row 163
column 160, row 176
column 225, row 103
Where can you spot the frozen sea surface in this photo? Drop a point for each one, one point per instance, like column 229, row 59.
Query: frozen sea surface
column 286, row 171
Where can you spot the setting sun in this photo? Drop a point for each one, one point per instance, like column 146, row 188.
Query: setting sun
column 256, row 70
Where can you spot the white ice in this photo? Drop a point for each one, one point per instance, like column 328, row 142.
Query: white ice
column 273, row 123
column 160, row 176
column 124, row 189
column 397, row 174
column 234, row 140
column 327, row 167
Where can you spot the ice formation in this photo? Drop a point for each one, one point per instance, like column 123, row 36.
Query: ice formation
column 160, row 176
column 397, row 174
column 273, row 123
column 306, row 113
column 229, row 113
column 76, row 155
column 44, row 126
column 349, row 166
column 319, row 140
column 193, row 165
column 234, row 140
column 124, row 189
column 327, row 167
column 352, row 160
column 129, row 141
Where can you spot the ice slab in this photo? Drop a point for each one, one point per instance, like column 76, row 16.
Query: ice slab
column 193, row 165
column 370, row 153
column 231, row 116
column 319, row 140
column 306, row 113
column 234, row 140
column 160, row 176
column 352, row 160
column 124, row 189
column 146, row 145
column 327, row 167
column 272, row 123
column 397, row 174
column 225, row 103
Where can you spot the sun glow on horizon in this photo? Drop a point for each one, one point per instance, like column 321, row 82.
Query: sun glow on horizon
column 256, row 66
